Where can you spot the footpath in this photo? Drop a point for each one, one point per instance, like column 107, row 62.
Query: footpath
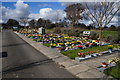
column 82, row 69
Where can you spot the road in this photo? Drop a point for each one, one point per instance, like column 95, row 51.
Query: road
column 24, row 61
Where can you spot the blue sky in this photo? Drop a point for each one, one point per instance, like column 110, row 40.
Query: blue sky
column 36, row 6
column 36, row 10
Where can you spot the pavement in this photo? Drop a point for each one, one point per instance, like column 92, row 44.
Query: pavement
column 83, row 69
column 25, row 61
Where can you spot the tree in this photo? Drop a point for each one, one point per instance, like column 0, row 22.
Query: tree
column 24, row 21
column 73, row 12
column 12, row 22
column 112, row 28
column 90, row 27
column 32, row 23
column 101, row 13
column 81, row 25
column 44, row 23
column 47, row 24
column 39, row 23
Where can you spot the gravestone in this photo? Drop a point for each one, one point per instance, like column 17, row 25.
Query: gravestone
column 86, row 33
column 41, row 30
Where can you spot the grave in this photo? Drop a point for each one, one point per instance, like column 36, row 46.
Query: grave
column 41, row 30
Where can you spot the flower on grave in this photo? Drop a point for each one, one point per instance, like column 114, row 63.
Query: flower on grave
column 87, row 43
column 39, row 35
column 60, row 43
column 91, row 43
column 52, row 44
column 97, row 40
column 81, row 54
column 78, row 41
column 67, row 42
column 91, row 51
column 104, row 64
column 73, row 42
column 29, row 35
column 87, row 52
column 80, row 46
column 70, row 47
column 66, row 37
column 114, row 60
column 73, row 46
column 110, row 46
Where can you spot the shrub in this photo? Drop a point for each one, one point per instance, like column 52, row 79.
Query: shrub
column 94, row 35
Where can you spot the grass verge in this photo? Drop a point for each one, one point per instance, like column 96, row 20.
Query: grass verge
column 113, row 71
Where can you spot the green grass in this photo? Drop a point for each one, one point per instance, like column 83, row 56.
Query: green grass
column 46, row 44
column 73, row 53
column 108, row 33
column 114, row 71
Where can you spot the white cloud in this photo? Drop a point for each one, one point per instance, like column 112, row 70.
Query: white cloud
column 44, row 12
column 34, row 16
column 49, row 13
column 21, row 10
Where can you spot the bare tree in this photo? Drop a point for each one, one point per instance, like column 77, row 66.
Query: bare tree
column 101, row 13
column 24, row 21
column 32, row 23
column 73, row 12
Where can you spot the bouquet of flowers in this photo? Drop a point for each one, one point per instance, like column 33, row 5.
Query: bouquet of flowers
column 104, row 64
column 110, row 46
column 53, row 45
column 81, row 54
column 80, row 46
column 29, row 35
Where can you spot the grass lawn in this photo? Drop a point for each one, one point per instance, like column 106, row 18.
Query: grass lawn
column 73, row 53
column 108, row 33
column 46, row 44
column 114, row 71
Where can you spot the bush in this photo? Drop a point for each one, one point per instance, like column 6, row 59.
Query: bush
column 57, row 30
column 94, row 35
column 69, row 30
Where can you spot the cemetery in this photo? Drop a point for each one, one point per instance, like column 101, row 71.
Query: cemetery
column 77, row 48
column 76, row 35
column 80, row 48
column 72, row 46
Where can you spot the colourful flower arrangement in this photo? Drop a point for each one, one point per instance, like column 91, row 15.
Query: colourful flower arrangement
column 110, row 46
column 29, row 35
column 60, row 43
column 72, row 42
column 53, row 45
column 79, row 46
column 81, row 54
column 114, row 60
column 104, row 64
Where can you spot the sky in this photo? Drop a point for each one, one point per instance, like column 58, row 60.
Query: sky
column 36, row 6
column 35, row 10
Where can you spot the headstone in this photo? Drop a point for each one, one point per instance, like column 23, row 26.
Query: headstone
column 41, row 30
column 86, row 33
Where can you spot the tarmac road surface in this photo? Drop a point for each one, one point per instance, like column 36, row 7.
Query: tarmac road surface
column 24, row 61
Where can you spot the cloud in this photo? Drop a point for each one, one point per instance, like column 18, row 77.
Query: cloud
column 21, row 10
column 34, row 16
column 49, row 13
